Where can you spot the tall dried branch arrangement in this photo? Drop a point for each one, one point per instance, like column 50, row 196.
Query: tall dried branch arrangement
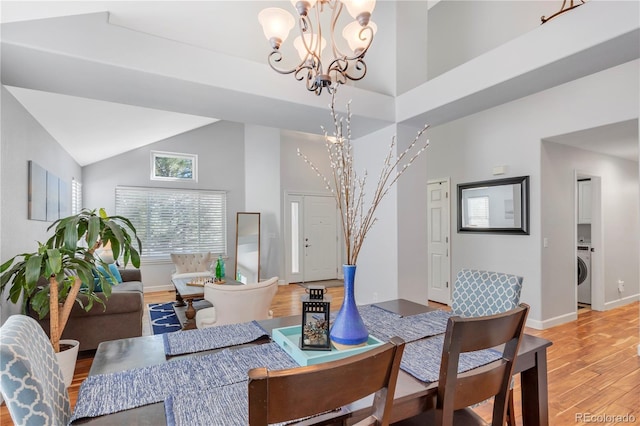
column 349, row 189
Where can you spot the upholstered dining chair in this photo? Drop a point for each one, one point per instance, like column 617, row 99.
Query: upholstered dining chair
column 458, row 391
column 234, row 304
column 284, row 395
column 30, row 378
column 478, row 293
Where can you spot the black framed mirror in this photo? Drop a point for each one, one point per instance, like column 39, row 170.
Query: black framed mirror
column 499, row 206
column 247, row 247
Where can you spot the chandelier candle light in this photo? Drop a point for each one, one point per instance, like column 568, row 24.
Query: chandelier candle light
column 276, row 24
column 349, row 192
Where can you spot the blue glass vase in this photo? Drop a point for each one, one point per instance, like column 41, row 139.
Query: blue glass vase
column 348, row 329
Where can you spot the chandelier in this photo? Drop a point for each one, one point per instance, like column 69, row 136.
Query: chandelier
column 342, row 66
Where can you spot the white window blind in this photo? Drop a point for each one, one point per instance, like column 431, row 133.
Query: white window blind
column 175, row 220
column 478, row 211
column 76, row 196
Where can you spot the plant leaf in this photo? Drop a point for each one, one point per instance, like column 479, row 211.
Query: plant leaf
column 71, row 234
column 54, row 261
column 93, row 231
column 33, row 266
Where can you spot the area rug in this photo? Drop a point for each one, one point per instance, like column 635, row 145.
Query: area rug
column 163, row 318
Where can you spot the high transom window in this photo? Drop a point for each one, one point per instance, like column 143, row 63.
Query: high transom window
column 173, row 166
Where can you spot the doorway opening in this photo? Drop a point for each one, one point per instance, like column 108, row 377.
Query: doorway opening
column 589, row 238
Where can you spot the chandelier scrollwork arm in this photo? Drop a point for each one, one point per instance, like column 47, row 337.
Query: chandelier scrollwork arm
column 310, row 44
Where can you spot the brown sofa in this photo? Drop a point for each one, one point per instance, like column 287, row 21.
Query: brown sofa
column 121, row 318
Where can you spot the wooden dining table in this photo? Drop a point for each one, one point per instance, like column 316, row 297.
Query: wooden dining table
column 412, row 396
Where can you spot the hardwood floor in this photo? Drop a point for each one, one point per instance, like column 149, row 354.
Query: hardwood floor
column 593, row 364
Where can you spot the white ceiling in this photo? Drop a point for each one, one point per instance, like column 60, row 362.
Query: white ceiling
column 619, row 139
column 105, row 83
column 92, row 130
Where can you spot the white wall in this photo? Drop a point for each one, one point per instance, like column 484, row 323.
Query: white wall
column 467, row 149
column 377, row 274
column 24, row 139
column 619, row 251
column 295, row 174
column 411, row 44
column 462, row 30
column 262, row 193
column 220, row 149
column 412, row 221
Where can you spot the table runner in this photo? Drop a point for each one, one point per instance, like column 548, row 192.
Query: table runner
column 409, row 328
column 385, row 324
column 224, row 406
column 110, row 393
column 190, row 341
column 178, row 380
column 422, row 359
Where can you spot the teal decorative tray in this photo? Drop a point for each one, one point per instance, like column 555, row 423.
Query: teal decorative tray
column 289, row 339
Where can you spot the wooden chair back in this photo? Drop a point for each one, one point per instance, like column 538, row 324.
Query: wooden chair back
column 284, row 395
column 456, row 391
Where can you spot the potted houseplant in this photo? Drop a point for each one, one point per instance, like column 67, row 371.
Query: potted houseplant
column 66, row 263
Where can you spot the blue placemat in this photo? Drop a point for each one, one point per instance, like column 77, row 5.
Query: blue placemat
column 385, row 324
column 224, row 406
column 110, row 393
column 410, row 328
column 190, row 341
column 422, row 359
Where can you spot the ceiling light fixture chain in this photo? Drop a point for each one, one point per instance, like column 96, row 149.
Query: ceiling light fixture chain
column 342, row 66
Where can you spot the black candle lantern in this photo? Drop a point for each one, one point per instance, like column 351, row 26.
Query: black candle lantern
column 315, row 320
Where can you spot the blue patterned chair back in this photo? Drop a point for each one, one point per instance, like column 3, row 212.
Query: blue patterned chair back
column 480, row 293
column 30, row 377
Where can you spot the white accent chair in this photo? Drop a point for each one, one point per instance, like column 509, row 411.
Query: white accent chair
column 190, row 265
column 233, row 304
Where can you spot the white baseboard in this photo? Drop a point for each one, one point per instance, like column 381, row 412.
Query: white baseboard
column 572, row 316
column 621, row 302
column 167, row 287
column 282, row 282
column 552, row 322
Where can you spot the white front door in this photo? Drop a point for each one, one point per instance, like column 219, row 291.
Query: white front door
column 438, row 266
column 311, row 238
column 320, row 242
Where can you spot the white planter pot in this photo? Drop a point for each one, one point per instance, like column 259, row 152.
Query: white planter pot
column 67, row 360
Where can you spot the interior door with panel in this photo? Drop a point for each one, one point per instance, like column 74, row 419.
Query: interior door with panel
column 438, row 261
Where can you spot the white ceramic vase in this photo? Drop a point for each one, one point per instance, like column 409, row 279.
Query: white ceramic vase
column 67, row 360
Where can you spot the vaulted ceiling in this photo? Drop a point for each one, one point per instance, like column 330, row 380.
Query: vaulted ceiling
column 104, row 77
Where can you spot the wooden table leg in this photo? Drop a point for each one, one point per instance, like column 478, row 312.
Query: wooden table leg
column 190, row 313
column 535, row 397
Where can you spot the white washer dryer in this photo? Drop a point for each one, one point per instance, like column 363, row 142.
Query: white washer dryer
column 584, row 273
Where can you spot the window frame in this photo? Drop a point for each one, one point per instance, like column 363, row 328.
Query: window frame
column 174, row 155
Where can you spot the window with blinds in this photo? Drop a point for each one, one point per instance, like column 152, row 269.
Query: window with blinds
column 175, row 220
column 76, row 196
column 478, row 211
